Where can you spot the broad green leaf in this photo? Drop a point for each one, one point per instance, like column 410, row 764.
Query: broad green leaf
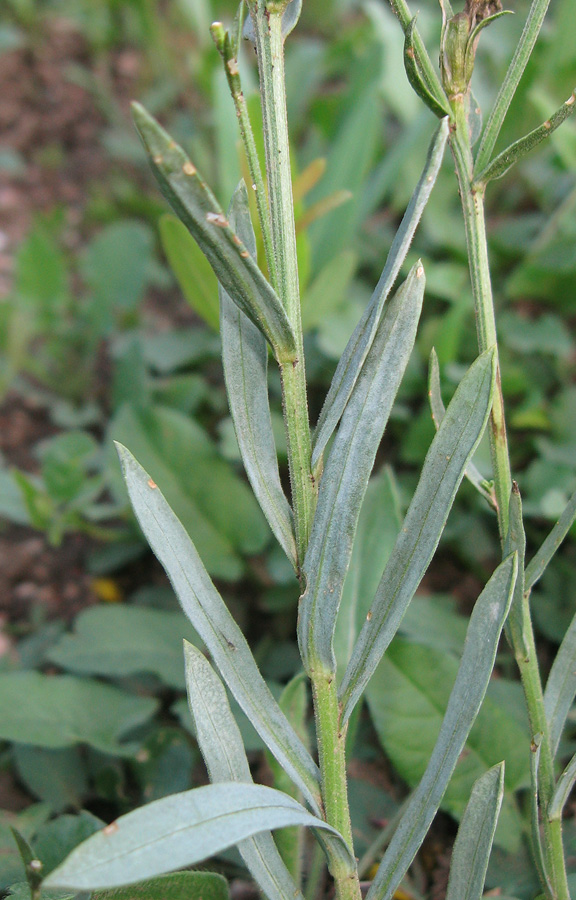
column 58, row 837
column 60, row 711
column 215, row 506
column 473, row 843
column 116, row 266
column 245, row 361
column 350, row 364
column 57, row 777
column 208, row 613
column 561, row 687
column 177, row 886
column 413, row 684
column 221, row 745
column 348, row 469
column 41, row 275
column 378, row 526
column 191, row 268
column 179, row 831
column 450, row 453
column 198, row 209
column 119, row 641
column 474, row 672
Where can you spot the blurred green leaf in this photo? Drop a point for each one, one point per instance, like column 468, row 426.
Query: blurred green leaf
column 191, row 268
column 57, row 711
column 118, row 641
column 413, row 684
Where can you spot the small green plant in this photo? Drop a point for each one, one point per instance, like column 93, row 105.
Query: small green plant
column 329, row 474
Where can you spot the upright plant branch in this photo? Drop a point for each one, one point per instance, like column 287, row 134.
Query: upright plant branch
column 267, row 19
column 456, row 84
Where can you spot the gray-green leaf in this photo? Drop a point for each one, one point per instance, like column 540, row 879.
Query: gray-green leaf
column 221, row 746
column 475, row 835
column 208, row 613
column 245, row 361
column 198, row 209
column 561, row 686
column 443, row 470
column 179, row 831
column 348, row 469
column 476, row 666
column 352, row 359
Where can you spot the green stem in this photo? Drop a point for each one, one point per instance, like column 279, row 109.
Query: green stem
column 472, row 197
column 473, row 207
column 270, row 50
column 332, row 759
column 267, row 18
column 227, row 48
column 509, row 85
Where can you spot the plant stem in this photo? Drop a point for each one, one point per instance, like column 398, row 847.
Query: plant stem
column 473, row 207
column 472, row 197
column 270, row 50
column 331, row 740
column 332, row 758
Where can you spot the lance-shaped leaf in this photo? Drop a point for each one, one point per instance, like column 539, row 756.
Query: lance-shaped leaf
column 518, row 624
column 438, row 410
column 475, row 835
column 221, row 746
column 352, row 359
column 208, row 613
column 563, row 790
column 537, row 848
column 198, row 209
column 505, row 160
column 443, row 470
column 439, row 106
column 561, row 687
column 467, row 694
column 245, row 361
column 537, row 566
column 179, row 831
column 348, row 469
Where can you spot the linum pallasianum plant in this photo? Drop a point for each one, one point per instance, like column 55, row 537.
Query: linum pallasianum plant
column 329, row 473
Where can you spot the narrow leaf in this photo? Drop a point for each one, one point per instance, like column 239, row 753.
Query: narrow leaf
column 177, row 831
column 518, row 624
column 475, row 835
column 537, row 849
column 416, row 78
column 245, row 361
column 505, row 160
column 221, row 746
column 198, row 209
column 352, row 359
column 537, row 565
column 476, row 666
column 563, row 790
column 438, row 410
column 208, row 613
column 446, row 461
column 348, row 469
column 561, row 687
